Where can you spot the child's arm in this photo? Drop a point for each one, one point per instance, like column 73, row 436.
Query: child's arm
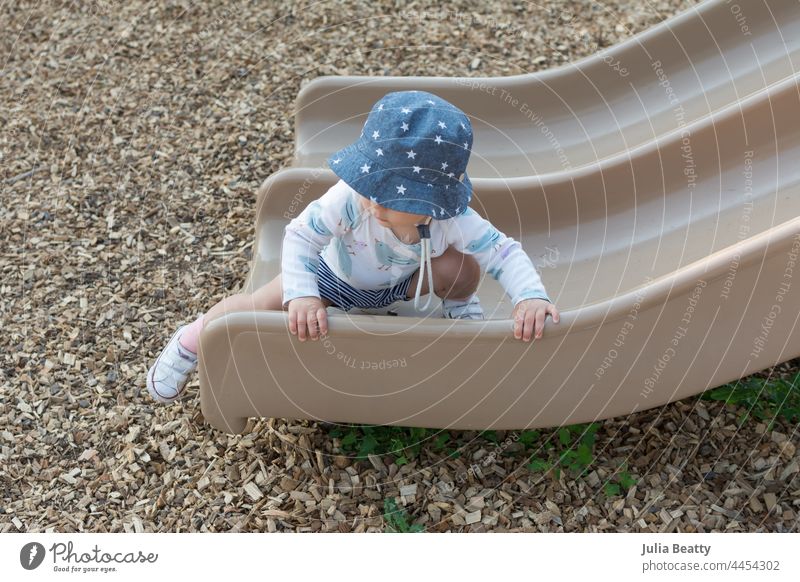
column 503, row 258
column 307, row 234
column 497, row 254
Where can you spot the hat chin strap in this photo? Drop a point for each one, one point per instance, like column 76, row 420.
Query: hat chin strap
column 424, row 259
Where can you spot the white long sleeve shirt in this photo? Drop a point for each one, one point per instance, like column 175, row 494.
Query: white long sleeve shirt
column 368, row 255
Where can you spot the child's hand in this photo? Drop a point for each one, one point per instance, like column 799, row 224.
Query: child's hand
column 529, row 316
column 307, row 313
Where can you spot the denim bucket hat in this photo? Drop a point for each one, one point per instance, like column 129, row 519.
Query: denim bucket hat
column 412, row 156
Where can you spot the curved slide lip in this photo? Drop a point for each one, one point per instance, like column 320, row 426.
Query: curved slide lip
column 598, row 127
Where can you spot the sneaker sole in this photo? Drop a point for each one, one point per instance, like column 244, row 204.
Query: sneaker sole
column 469, row 316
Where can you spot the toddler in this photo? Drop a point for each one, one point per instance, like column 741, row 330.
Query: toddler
column 399, row 209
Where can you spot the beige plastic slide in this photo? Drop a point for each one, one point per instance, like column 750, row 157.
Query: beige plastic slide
column 671, row 252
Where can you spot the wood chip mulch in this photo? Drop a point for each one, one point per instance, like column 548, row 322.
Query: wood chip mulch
column 133, row 137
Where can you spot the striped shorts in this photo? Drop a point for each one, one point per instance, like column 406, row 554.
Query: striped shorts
column 345, row 297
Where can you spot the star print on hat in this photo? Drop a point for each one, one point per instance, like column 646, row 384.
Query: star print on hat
column 411, row 156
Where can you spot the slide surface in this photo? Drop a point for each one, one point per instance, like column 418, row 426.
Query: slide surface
column 671, row 253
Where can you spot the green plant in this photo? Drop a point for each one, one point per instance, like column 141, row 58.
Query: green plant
column 528, row 438
column 403, row 443
column 574, row 453
column 624, row 480
column 760, row 398
column 396, row 518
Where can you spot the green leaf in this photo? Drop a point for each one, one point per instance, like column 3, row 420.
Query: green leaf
column 349, row 439
column 528, row 437
column 626, row 480
column 564, row 436
column 397, row 519
column 537, row 465
column 418, row 434
column 611, row 489
column 584, row 454
column 568, row 457
column 368, row 445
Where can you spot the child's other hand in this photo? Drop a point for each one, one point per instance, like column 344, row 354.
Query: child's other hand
column 529, row 316
column 307, row 314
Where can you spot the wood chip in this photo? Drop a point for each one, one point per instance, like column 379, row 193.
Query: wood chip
column 253, row 491
column 408, row 490
column 473, row 517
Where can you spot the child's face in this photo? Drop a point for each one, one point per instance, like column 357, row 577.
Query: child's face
column 388, row 217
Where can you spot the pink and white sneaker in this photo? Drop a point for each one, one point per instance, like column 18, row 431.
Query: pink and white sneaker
column 169, row 375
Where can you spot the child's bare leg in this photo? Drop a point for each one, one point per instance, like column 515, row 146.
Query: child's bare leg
column 455, row 276
column 267, row 297
column 169, row 374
